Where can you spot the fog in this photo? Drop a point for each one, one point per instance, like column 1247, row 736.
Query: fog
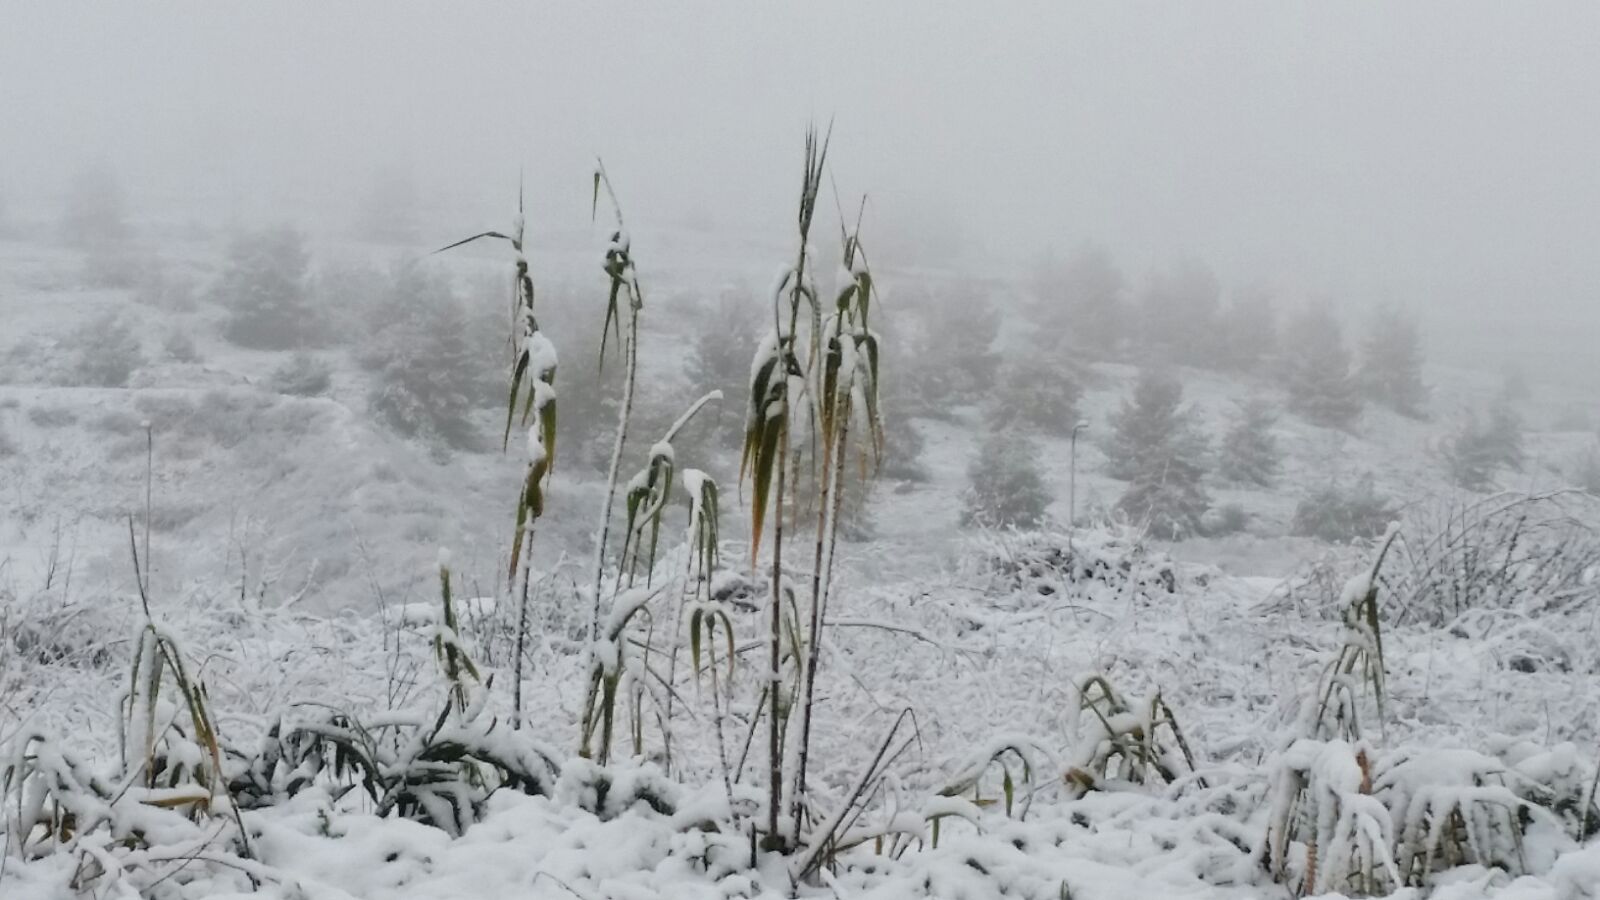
column 1438, row 156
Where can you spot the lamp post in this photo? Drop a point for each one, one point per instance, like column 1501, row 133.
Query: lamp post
column 1072, row 477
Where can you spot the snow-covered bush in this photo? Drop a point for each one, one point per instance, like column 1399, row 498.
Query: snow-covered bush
column 178, row 346
column 1529, row 554
column 264, row 287
column 1340, row 512
column 161, row 288
column 106, row 352
column 1005, row 486
column 1118, row 742
column 304, row 374
column 1050, row 563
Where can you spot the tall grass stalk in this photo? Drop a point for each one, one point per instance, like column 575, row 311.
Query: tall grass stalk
column 849, row 376
column 623, row 282
column 534, row 360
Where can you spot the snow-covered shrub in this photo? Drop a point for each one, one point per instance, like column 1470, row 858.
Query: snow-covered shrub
column 1531, row 554
column 161, row 288
column 1340, row 513
column 116, row 268
column 903, row 446
column 1249, row 451
column 264, row 287
column 106, row 352
column 303, row 375
column 1005, row 487
column 1118, row 742
column 178, row 346
column 1359, row 663
column 52, row 416
column 1229, row 518
column 1453, row 808
column 1051, row 563
column 48, row 629
column 1325, row 829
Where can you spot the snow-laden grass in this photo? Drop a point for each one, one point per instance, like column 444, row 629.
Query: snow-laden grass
column 988, row 654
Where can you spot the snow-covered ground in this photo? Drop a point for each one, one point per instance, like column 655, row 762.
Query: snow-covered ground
column 293, row 559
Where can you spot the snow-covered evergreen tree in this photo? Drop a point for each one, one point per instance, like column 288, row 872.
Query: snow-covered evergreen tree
column 428, row 376
column 950, row 358
column 1317, row 369
column 1005, row 485
column 1480, row 446
column 1157, row 446
column 1079, row 303
column 1036, row 392
column 1179, row 313
column 1249, row 453
column 1247, row 331
column 1391, row 363
column 264, row 287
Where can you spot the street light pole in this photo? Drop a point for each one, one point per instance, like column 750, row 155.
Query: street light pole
column 1072, row 478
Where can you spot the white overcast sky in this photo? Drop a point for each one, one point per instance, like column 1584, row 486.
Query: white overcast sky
column 1442, row 155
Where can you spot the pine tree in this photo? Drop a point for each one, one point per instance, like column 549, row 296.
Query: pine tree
column 1006, row 487
column 1179, row 311
column 1080, row 303
column 1036, row 392
column 951, row 359
column 1317, row 368
column 1469, row 455
column 1480, row 446
column 1247, row 331
column 1249, row 452
column 719, row 360
column 1157, row 447
column 265, row 289
column 427, row 374
column 1391, row 363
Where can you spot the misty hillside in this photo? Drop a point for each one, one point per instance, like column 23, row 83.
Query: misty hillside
column 798, row 451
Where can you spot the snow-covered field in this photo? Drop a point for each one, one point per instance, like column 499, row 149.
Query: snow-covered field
column 1079, row 714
